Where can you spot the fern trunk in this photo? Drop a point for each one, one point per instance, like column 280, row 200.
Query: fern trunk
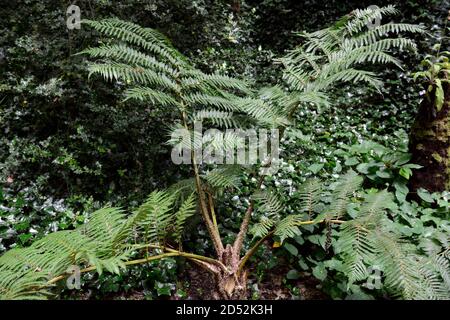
column 430, row 145
column 231, row 283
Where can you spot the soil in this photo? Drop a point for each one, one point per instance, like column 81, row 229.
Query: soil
column 270, row 288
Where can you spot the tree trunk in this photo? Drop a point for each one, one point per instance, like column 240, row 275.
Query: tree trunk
column 231, row 285
column 430, row 145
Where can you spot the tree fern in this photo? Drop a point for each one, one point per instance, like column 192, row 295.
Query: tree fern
column 152, row 71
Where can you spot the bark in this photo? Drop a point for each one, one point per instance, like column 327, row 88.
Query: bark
column 430, row 145
column 231, row 281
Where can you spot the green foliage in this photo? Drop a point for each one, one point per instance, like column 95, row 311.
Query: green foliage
column 369, row 238
column 158, row 77
column 436, row 76
column 101, row 244
column 339, row 53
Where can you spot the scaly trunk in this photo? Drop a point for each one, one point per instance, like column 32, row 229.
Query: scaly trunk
column 230, row 279
column 430, row 145
column 231, row 284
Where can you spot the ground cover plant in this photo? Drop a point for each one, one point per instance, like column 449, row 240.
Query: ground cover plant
column 332, row 204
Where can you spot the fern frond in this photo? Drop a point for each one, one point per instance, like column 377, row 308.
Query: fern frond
column 146, row 38
column 262, row 228
column 371, row 36
column 156, row 215
column 187, row 209
column 373, row 207
column 124, row 54
column 227, row 177
column 262, row 112
column 218, row 118
column 198, row 79
column 205, row 100
column 362, row 17
column 154, row 96
column 22, row 285
column 270, row 203
column 136, row 75
column 288, row 227
column 103, row 228
column 357, row 249
column 309, row 194
column 346, row 187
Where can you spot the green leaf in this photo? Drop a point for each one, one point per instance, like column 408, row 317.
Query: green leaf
column 440, row 97
column 383, row 174
column 425, row 195
column 302, row 264
column 315, row 168
column 351, row 161
column 320, row 272
column 292, row 249
column 406, row 173
column 403, row 159
column 293, row 275
column 401, row 191
column 363, row 168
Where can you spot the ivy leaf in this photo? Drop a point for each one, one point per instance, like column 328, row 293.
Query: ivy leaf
column 425, row 195
column 439, row 95
column 320, row 272
column 315, row 168
column 292, row 249
column 383, row 174
column 351, row 161
column 293, row 275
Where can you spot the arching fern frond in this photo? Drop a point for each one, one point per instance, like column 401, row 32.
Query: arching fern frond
column 270, row 204
column 227, row 177
column 341, row 52
column 344, row 189
column 187, row 209
column 262, row 228
column 309, row 195
column 288, row 227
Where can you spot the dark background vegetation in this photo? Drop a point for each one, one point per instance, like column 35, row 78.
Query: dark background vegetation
column 69, row 144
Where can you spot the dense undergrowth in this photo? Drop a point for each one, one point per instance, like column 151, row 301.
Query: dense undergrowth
column 62, row 140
